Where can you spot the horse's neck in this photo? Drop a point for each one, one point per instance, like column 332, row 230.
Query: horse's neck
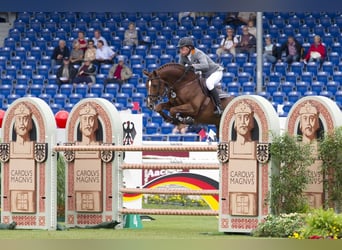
column 177, row 77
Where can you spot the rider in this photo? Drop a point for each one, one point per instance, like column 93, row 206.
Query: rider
column 196, row 59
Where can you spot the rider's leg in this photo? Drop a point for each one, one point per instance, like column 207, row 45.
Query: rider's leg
column 213, row 80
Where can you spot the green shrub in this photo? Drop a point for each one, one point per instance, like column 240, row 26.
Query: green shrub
column 279, row 226
column 320, row 223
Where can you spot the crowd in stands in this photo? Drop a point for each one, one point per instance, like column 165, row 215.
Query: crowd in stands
column 111, row 49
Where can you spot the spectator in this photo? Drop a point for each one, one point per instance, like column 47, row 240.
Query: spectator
column 119, row 73
column 104, row 55
column 251, row 27
column 90, row 53
column 246, row 42
column 270, row 51
column 76, row 54
column 97, row 37
column 66, row 72
column 60, row 51
column 316, row 52
column 181, row 15
column 86, row 73
column 292, row 49
column 228, row 43
column 131, row 36
column 245, row 17
column 82, row 41
column 239, row 18
column 180, row 128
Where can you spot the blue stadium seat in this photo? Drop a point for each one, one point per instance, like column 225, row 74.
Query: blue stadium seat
column 10, row 43
column 21, row 52
column 100, row 78
column 138, row 97
column 156, row 50
column 157, row 118
column 19, row 25
column 297, row 67
column 141, row 88
column 81, row 24
column 322, row 76
column 187, row 22
column 167, row 32
column 328, row 66
column 47, row 33
column 45, row 97
column 122, row 98
column 307, row 76
column 287, row 87
column 310, row 21
column 16, row 61
column 291, row 76
column 97, row 89
column 338, row 96
column 337, row 76
column 181, row 31
column 107, row 96
column 243, row 77
column 6, row 89
column 166, row 128
column 151, row 128
column 233, row 68
column 120, row 32
column 334, row 59
column 127, row 88
column 172, row 23
column 66, row 25
column 334, row 30
column 279, row 21
column 11, row 70
column 111, row 24
column 302, row 86
column 138, row 69
column 156, row 23
column 95, row 24
column 66, row 89
column 281, row 68
column 336, row 47
column 293, row 96
column 81, row 89
column 234, row 87
column 272, row 87
column 68, row 107
column 197, row 32
column 75, row 98
column 228, row 77
column 22, row 80
column 325, row 21
column 55, row 107
column 248, row 87
column 51, row 89
column 317, row 86
column 152, row 33
column 136, row 59
column 310, row 93
column 294, row 21
column 61, row 34
column 217, row 22
column 278, row 97
column 112, row 88
column 60, row 99
column 20, row 89
column 12, row 97
column 333, row 86
column 312, row 67
column 289, row 30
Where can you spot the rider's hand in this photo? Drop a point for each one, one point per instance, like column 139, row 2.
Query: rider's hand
column 189, row 68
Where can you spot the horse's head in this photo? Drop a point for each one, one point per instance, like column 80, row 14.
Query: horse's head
column 155, row 87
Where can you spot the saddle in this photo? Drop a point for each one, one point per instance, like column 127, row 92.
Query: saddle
column 222, row 94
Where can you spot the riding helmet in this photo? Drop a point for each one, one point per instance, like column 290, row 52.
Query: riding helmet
column 185, row 41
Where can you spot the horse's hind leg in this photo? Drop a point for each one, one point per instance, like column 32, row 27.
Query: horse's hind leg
column 184, row 113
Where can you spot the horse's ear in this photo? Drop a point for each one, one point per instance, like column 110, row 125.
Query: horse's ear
column 146, row 72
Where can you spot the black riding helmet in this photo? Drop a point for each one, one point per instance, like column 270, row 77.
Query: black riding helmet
column 185, row 41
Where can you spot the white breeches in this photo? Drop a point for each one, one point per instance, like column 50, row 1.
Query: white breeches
column 214, row 79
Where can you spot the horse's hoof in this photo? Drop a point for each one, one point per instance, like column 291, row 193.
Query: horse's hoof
column 188, row 120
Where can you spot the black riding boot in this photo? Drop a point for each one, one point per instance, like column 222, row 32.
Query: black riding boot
column 217, row 101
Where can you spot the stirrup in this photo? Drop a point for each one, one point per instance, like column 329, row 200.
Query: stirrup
column 218, row 111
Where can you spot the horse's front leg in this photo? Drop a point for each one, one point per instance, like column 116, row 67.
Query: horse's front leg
column 165, row 106
column 184, row 113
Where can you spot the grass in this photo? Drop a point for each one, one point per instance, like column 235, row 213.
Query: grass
column 163, row 227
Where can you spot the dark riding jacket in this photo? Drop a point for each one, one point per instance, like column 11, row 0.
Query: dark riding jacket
column 201, row 62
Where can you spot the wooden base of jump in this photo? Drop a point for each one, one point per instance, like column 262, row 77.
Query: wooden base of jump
column 169, row 191
column 170, row 212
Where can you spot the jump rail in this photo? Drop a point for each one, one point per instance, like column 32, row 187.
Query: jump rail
column 175, row 148
column 170, row 212
column 169, row 191
column 169, row 166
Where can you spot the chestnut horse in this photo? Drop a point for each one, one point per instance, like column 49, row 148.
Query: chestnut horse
column 185, row 91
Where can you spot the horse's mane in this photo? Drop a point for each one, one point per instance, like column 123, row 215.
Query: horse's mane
column 171, row 64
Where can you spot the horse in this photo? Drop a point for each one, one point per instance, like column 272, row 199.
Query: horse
column 187, row 96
